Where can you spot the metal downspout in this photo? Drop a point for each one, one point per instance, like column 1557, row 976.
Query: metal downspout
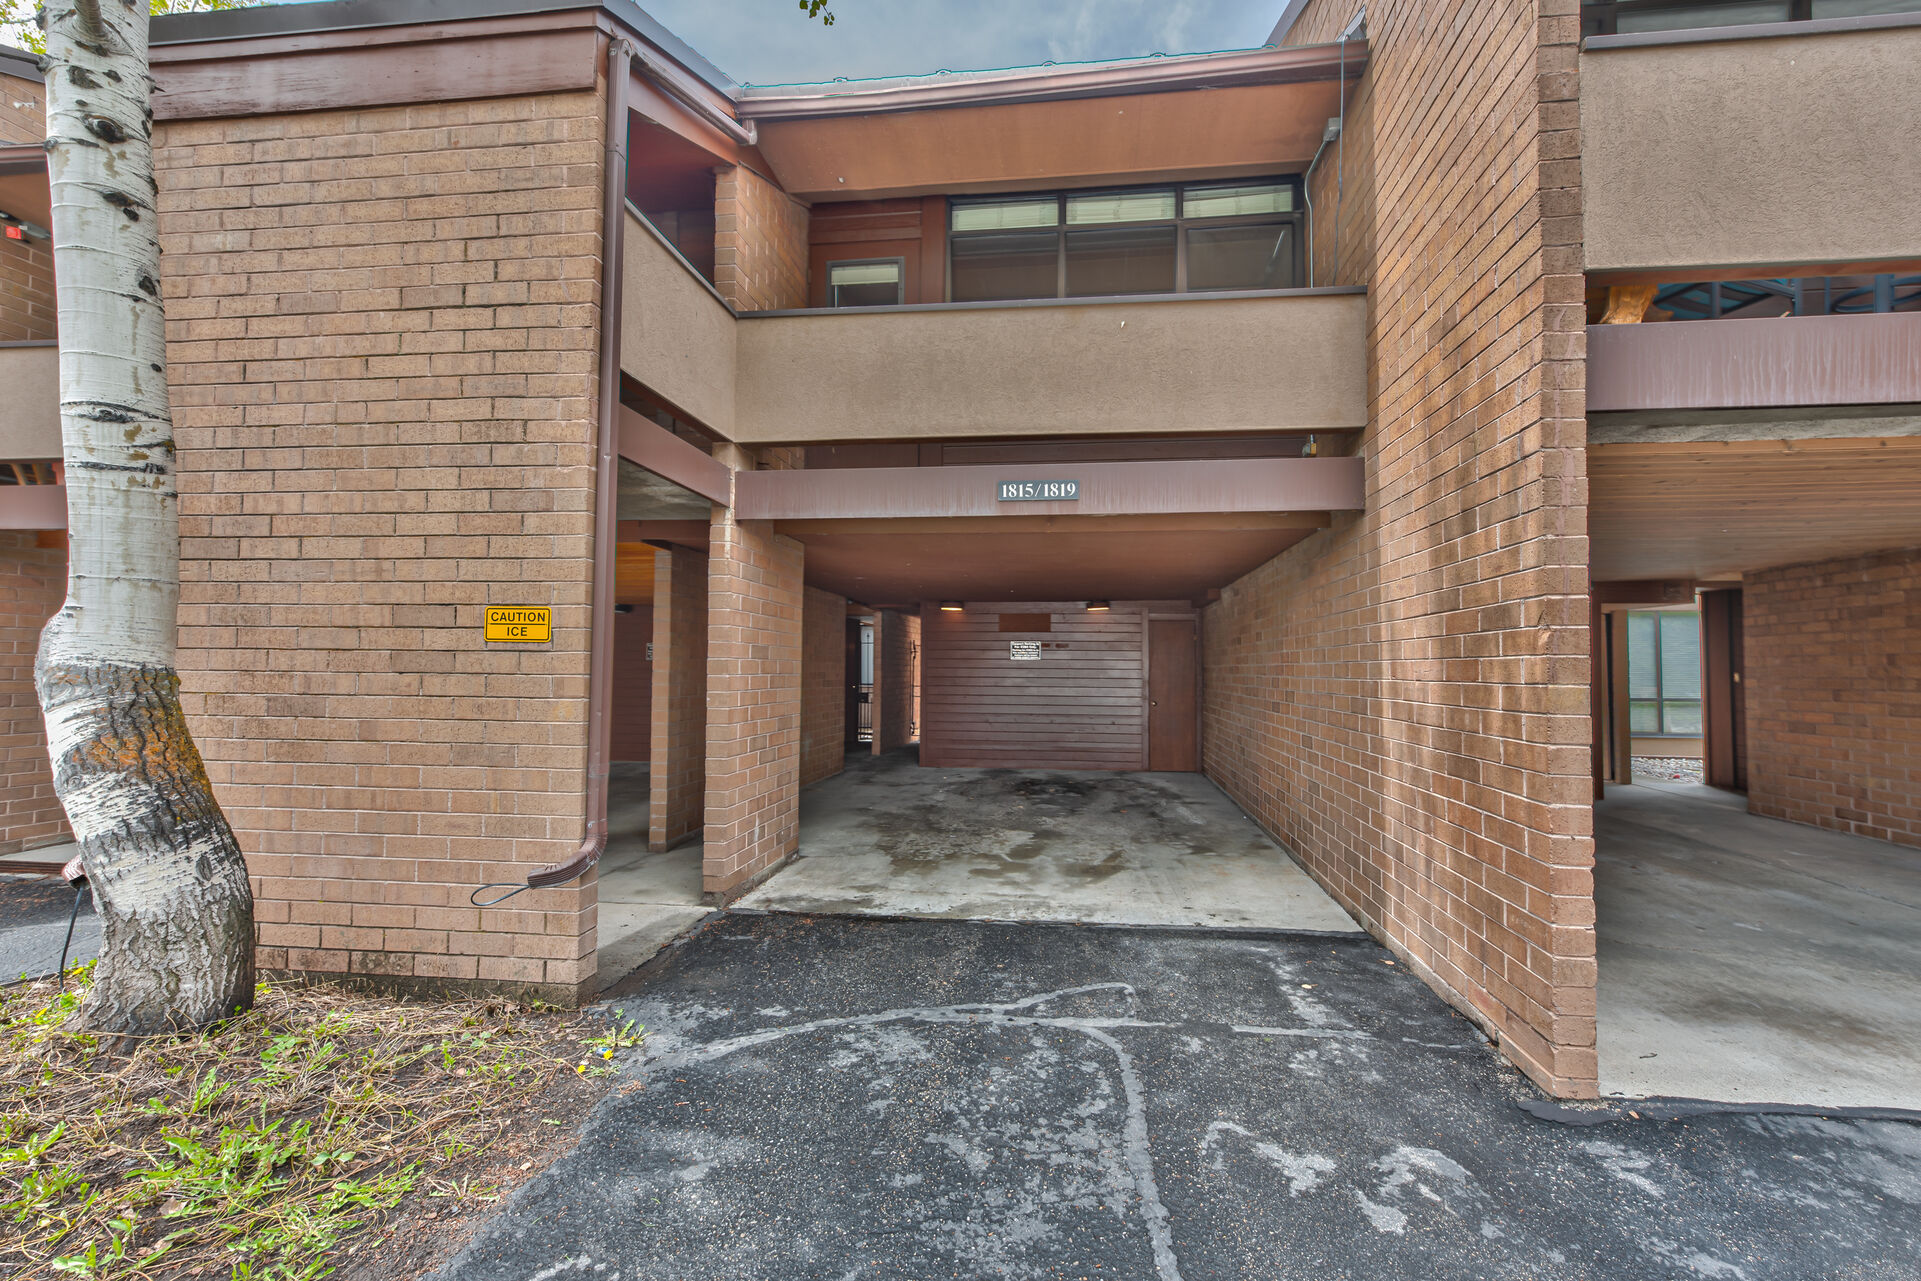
column 620, row 58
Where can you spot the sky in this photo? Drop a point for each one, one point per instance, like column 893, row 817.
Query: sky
column 773, row 42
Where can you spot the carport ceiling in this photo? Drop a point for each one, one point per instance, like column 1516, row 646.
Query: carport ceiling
column 1704, row 509
column 889, row 564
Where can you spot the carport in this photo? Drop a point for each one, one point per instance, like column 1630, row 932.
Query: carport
column 1036, row 680
column 1757, row 937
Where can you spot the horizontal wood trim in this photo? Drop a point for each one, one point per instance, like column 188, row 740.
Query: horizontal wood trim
column 1728, row 364
column 1107, row 489
column 436, row 62
column 1145, row 523
column 33, row 507
column 649, row 445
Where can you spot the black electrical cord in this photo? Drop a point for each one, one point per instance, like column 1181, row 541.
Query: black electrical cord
column 78, row 894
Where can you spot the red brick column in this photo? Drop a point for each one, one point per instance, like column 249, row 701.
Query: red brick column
column 677, row 778
column 1404, row 697
column 753, row 702
column 896, row 680
column 33, row 582
column 823, row 698
column 1833, row 689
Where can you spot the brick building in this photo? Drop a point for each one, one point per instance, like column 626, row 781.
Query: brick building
column 1311, row 417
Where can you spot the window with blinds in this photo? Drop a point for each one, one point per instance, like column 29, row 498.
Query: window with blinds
column 1664, row 673
column 1136, row 240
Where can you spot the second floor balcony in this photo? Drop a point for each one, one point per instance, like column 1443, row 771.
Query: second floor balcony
column 1227, row 362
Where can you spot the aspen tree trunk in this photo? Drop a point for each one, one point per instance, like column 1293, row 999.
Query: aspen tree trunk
column 168, row 878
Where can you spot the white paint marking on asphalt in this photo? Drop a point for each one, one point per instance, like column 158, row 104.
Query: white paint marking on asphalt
column 1303, row 1169
column 1134, row 1133
column 1624, row 1164
column 1325, row 1033
column 1141, row 1159
column 1385, row 1218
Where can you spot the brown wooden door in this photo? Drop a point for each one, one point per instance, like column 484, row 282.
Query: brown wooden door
column 1724, row 718
column 1173, row 729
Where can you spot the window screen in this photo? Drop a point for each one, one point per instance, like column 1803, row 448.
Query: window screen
column 1239, row 201
column 1250, row 256
column 864, row 284
column 1004, row 264
column 1004, row 215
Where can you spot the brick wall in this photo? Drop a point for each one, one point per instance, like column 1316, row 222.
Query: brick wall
column 760, row 243
column 381, row 327
column 1403, row 698
column 23, row 110
column 753, row 702
column 823, row 685
column 1341, row 193
column 677, row 778
column 1833, row 685
column 896, row 679
column 26, row 266
column 33, row 582
column 633, row 710
column 26, row 291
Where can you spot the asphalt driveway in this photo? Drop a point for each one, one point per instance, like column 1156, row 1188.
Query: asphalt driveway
column 840, row 1099
column 34, row 911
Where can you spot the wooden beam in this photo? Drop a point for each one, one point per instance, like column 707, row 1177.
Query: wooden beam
column 649, row 445
column 1106, row 489
column 33, row 507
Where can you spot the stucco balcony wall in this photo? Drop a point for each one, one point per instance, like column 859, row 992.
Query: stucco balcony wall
column 30, row 416
column 1182, row 363
column 1745, row 147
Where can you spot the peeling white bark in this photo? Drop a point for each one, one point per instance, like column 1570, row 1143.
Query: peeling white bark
column 167, row 876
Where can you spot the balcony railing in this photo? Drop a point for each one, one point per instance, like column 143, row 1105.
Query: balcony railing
column 1787, row 296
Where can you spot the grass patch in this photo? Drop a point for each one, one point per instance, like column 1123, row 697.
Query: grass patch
column 254, row 1150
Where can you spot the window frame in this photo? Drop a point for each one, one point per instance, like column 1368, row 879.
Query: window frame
column 1602, row 17
column 898, row 262
column 1180, row 222
column 1660, row 699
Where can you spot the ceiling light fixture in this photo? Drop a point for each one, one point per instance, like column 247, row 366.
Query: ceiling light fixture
column 950, row 607
column 1098, row 607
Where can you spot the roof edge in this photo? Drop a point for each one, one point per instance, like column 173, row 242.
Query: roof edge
column 1158, row 74
column 351, row 15
column 21, row 63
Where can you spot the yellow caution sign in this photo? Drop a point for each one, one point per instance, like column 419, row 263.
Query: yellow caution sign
column 520, row 624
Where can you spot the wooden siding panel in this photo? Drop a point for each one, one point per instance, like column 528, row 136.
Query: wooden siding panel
column 1081, row 706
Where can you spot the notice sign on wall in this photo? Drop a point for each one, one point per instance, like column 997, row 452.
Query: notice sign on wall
column 1024, row 651
column 520, row 624
column 1040, row 491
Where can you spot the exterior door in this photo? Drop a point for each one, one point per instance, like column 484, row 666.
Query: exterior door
column 1173, row 709
column 856, row 693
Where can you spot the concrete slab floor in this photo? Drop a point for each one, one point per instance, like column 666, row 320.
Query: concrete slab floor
column 1744, row 959
column 646, row 899
column 886, row 837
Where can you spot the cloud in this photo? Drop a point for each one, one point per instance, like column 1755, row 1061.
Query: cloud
column 773, row 42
